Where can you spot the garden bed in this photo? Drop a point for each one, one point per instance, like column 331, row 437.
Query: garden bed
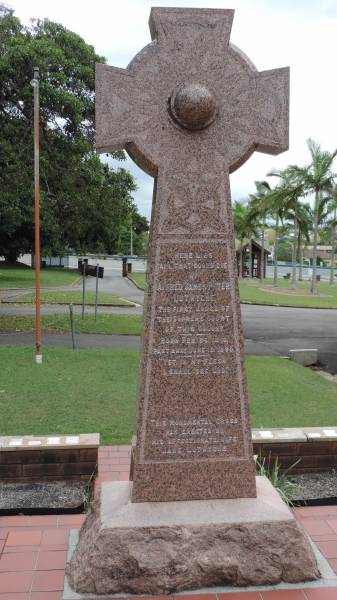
column 49, row 497
column 315, row 488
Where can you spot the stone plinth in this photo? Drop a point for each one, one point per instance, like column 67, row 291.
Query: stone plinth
column 155, row 547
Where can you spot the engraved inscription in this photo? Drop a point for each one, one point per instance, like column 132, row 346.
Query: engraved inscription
column 193, row 342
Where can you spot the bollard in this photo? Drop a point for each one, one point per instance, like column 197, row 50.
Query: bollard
column 72, row 325
column 96, row 291
column 85, row 263
column 125, row 269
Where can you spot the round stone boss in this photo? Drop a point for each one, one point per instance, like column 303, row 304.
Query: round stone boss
column 193, row 106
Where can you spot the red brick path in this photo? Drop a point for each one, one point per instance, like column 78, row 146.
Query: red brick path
column 33, row 549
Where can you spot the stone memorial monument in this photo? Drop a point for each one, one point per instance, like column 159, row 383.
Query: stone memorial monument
column 190, row 109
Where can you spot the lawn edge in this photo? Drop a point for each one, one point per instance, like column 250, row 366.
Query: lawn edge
column 130, row 304
column 288, row 305
column 135, row 283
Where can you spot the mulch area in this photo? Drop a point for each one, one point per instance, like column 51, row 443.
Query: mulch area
column 312, row 487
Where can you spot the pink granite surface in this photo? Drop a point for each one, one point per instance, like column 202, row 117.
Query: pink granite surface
column 160, row 548
column 189, row 109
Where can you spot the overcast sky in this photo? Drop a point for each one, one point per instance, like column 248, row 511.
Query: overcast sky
column 273, row 33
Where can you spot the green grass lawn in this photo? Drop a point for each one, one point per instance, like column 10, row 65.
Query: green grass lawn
column 86, row 391
column 73, row 391
column 285, row 394
column 72, row 297
column 139, row 278
column 250, row 292
column 25, row 277
column 106, row 323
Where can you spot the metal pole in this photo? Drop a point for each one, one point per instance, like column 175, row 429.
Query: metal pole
column 96, row 298
column 131, row 241
column 83, row 283
column 35, row 84
column 71, row 310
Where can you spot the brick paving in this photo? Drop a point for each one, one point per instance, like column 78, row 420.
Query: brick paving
column 33, row 548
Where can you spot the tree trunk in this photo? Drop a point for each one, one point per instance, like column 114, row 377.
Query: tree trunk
column 313, row 288
column 251, row 259
column 240, row 260
column 262, row 256
column 293, row 276
column 333, row 241
column 276, row 250
column 300, row 256
column 11, row 257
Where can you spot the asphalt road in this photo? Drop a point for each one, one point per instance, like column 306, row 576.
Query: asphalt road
column 120, row 286
column 268, row 331
column 276, row 330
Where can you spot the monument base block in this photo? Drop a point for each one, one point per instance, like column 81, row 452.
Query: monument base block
column 165, row 547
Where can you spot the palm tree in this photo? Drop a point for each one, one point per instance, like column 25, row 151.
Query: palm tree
column 304, row 220
column 280, row 216
column 239, row 212
column 328, row 219
column 333, row 235
column 260, row 209
column 244, row 227
column 316, row 178
column 284, row 200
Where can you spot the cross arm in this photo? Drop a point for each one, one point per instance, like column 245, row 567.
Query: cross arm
column 181, row 27
column 271, row 108
column 120, row 116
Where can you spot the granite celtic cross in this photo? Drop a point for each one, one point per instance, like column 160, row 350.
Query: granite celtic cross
column 190, row 109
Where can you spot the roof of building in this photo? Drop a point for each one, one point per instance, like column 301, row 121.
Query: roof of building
column 254, row 243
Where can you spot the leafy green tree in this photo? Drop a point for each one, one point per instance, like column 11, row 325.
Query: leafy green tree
column 284, row 248
column 84, row 203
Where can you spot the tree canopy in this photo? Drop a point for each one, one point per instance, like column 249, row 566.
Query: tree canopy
column 86, row 205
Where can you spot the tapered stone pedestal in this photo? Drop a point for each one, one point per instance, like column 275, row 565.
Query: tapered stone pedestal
column 158, row 548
